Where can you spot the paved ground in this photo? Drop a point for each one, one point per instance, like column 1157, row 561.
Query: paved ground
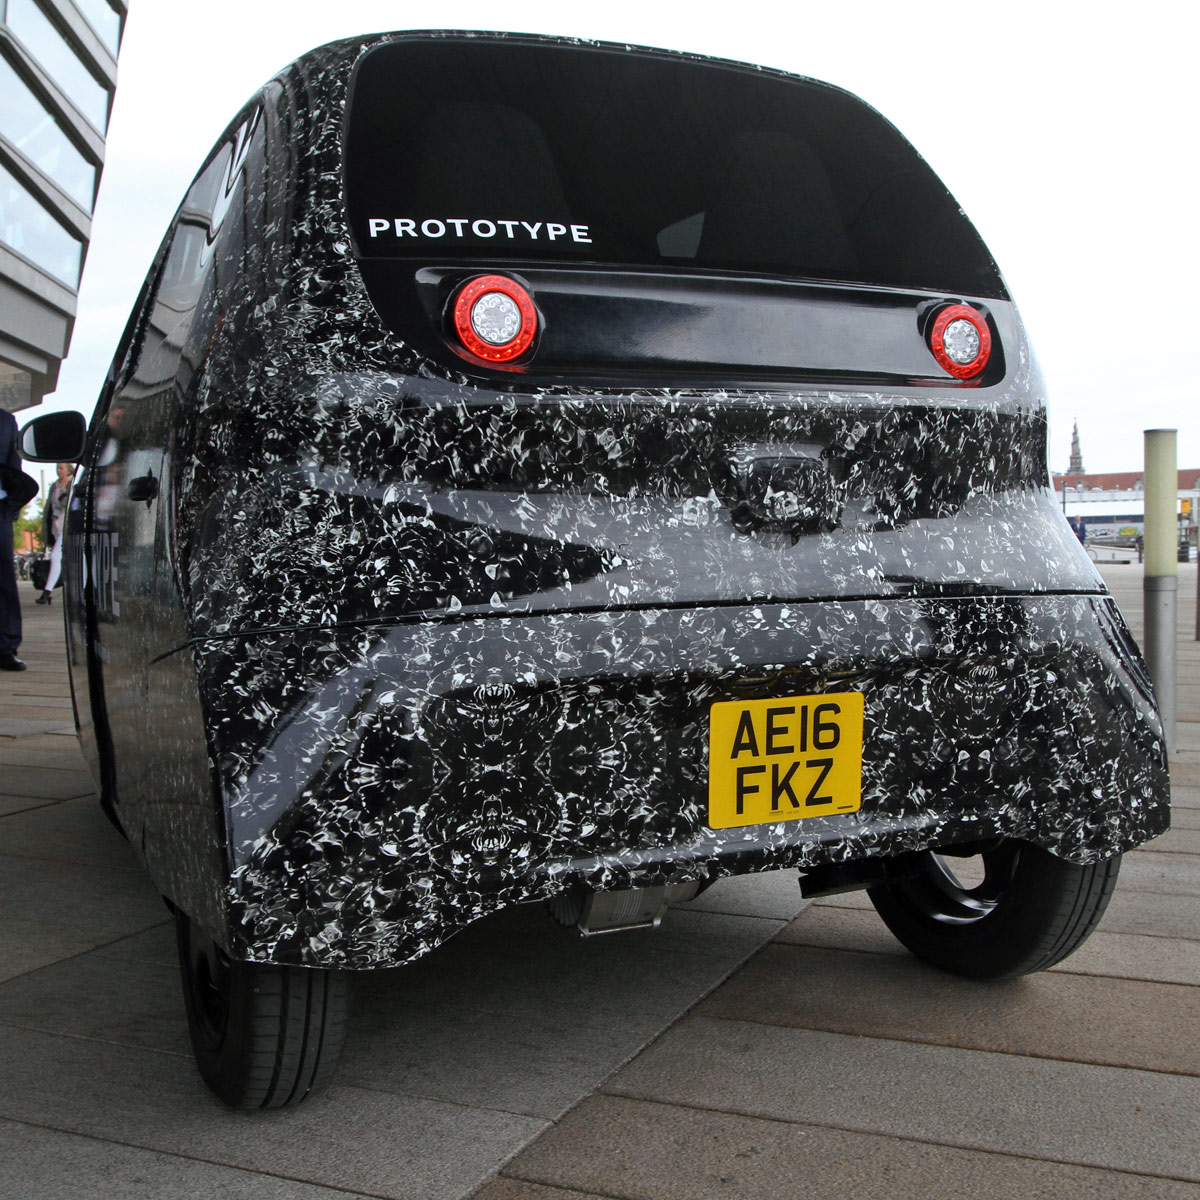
column 742, row 1051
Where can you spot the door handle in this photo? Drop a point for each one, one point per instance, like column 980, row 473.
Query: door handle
column 143, row 487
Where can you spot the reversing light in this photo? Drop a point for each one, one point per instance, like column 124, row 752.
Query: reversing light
column 960, row 340
column 494, row 318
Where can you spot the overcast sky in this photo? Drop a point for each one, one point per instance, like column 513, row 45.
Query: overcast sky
column 1066, row 131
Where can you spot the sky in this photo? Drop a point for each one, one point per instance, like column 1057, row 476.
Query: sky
column 1067, row 132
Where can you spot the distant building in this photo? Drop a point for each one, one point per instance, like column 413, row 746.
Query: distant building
column 1121, row 481
column 1075, row 467
column 58, row 73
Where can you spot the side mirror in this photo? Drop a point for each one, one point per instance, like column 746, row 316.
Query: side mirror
column 54, row 437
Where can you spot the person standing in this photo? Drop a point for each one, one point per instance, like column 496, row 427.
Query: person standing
column 53, row 519
column 10, row 509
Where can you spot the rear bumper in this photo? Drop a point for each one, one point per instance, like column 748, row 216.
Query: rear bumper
column 385, row 786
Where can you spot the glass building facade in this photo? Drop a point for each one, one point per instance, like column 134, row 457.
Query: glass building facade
column 58, row 73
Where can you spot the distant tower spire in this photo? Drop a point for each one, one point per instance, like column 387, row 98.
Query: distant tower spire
column 1076, row 464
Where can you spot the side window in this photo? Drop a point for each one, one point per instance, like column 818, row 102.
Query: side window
column 165, row 319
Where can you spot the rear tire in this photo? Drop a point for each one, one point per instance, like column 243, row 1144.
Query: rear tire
column 1029, row 912
column 264, row 1036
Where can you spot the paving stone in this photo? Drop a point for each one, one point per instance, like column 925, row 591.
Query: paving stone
column 48, row 695
column 44, row 1164
column 55, row 910
column 153, row 945
column 20, row 804
column 1120, row 955
column 349, row 1138
column 72, row 831
column 1185, row 796
column 521, row 964
column 615, row 1146
column 1187, row 735
column 106, row 999
column 1183, row 818
column 1121, row 1119
column 1179, row 839
column 1178, row 874
column 22, row 726
column 17, row 752
column 774, row 894
column 1115, row 1022
column 43, row 784
column 522, row 1189
column 1153, row 913
column 481, row 1059
column 825, row 925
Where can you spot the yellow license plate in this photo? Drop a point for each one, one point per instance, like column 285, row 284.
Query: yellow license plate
column 784, row 759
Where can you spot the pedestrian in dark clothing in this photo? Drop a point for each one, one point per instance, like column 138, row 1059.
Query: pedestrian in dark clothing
column 10, row 510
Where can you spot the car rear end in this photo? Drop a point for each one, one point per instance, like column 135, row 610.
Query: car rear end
column 648, row 484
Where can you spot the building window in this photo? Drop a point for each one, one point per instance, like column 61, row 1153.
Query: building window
column 27, row 228
column 104, row 20
column 27, row 124
column 56, row 56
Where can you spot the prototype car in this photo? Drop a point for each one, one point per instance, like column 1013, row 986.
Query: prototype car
column 548, row 471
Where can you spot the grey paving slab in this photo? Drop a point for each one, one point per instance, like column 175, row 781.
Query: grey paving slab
column 1120, row 1119
column 355, row 1139
column 51, row 743
column 44, row 1164
column 774, row 894
column 1178, row 874
column 615, row 1146
column 1115, row 1022
column 44, row 784
column 481, row 1059
column 23, row 725
column 55, row 910
column 1185, row 796
column 105, row 999
column 521, row 964
column 1120, row 955
column 1182, row 818
column 153, row 945
column 1179, row 839
column 18, row 804
column 47, row 694
column 521, row 1189
column 73, row 831
column 1184, row 773
column 1153, row 913
column 17, row 753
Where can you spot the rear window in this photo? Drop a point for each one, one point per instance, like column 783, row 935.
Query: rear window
column 501, row 149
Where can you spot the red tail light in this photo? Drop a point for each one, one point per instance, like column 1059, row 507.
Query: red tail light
column 494, row 318
column 961, row 341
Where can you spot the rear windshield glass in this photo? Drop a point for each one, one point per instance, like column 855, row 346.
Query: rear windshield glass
column 488, row 149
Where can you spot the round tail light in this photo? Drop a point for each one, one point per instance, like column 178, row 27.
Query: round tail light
column 494, row 318
column 960, row 340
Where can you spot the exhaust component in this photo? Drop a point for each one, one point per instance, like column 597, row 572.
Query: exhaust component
column 610, row 912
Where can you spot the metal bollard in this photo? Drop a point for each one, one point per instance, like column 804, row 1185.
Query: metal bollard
column 1162, row 571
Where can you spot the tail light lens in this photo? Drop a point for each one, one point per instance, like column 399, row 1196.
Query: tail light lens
column 494, row 318
column 960, row 340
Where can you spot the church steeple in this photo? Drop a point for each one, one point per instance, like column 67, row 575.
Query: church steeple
column 1076, row 464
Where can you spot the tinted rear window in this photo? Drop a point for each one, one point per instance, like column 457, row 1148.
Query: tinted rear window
column 488, row 149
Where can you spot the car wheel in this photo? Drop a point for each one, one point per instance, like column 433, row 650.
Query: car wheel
column 264, row 1036
column 1009, row 910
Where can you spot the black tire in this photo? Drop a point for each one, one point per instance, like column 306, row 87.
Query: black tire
column 1029, row 911
column 263, row 1036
